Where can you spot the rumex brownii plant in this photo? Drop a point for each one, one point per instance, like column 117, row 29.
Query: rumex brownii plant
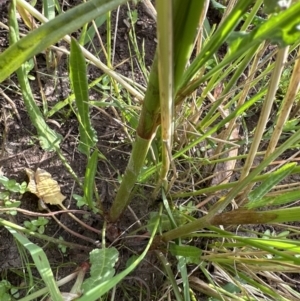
column 197, row 106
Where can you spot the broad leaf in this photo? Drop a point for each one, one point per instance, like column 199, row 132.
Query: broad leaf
column 102, row 269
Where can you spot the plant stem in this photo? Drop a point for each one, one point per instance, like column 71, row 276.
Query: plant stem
column 147, row 126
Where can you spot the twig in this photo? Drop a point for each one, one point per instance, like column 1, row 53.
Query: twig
column 12, row 104
column 150, row 9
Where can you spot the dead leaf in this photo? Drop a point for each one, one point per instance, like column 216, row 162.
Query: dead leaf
column 44, row 186
column 31, row 183
column 67, row 297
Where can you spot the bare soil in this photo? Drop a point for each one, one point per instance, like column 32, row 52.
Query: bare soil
column 20, row 149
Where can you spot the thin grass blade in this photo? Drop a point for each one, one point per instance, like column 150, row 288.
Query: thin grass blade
column 90, row 33
column 216, row 40
column 48, row 34
column 277, row 27
column 48, row 138
column 282, row 199
column 41, row 262
column 273, row 179
column 286, row 106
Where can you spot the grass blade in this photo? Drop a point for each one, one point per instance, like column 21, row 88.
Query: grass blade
column 41, row 262
column 78, row 78
column 217, row 39
column 48, row 34
column 287, row 104
column 273, row 179
column 186, row 19
column 49, row 139
column 277, row 27
column 221, row 205
column 89, row 179
column 89, row 34
column 265, row 111
column 170, row 276
column 49, row 9
column 166, row 81
column 282, row 199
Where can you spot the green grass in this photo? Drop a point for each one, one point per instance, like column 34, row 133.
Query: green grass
column 214, row 134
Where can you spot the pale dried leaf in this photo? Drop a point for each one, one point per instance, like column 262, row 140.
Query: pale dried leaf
column 223, row 171
column 44, row 186
column 31, row 183
column 67, row 297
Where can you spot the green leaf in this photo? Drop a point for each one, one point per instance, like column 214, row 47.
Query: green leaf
column 283, row 234
column 291, row 125
column 217, row 39
column 99, row 290
column 89, row 179
column 90, row 33
column 282, row 29
column 3, row 180
column 41, row 262
column 62, row 247
column 49, row 139
column 41, row 229
column 80, row 200
column 29, row 225
column 282, row 199
column 273, row 179
column 191, row 253
column 235, row 38
column 4, row 289
column 286, row 34
column 13, row 186
column 41, row 221
column 12, row 204
column 78, row 78
column 231, row 288
column 131, row 260
column 49, row 9
column 164, row 222
column 102, row 267
column 275, row 6
column 218, row 5
column 51, row 32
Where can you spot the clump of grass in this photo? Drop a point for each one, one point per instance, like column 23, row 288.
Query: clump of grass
column 214, row 176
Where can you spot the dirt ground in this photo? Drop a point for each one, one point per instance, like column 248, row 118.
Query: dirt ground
column 20, row 149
